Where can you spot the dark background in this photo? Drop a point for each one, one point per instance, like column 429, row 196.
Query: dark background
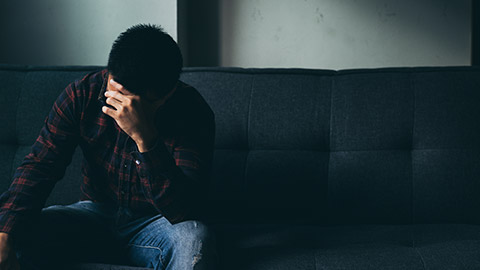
column 475, row 32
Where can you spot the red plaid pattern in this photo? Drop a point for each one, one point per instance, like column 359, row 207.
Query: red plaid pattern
column 170, row 179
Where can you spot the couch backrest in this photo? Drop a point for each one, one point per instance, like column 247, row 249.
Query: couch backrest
column 398, row 145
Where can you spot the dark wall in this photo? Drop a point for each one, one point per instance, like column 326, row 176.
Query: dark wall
column 34, row 18
column 198, row 32
column 476, row 32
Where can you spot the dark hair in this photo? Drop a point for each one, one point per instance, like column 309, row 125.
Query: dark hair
column 145, row 58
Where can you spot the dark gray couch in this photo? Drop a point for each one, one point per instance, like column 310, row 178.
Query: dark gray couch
column 313, row 169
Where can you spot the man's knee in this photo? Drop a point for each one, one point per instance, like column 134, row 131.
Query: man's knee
column 184, row 245
column 196, row 242
column 194, row 230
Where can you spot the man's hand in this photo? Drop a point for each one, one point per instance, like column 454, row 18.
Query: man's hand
column 134, row 115
column 8, row 258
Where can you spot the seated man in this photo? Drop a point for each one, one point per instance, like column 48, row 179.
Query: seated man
column 147, row 140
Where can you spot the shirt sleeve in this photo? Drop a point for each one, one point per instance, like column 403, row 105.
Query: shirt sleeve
column 51, row 153
column 176, row 183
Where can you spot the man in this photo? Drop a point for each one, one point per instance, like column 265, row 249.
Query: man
column 147, row 140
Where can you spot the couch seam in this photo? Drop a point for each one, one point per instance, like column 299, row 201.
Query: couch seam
column 413, row 181
column 247, row 137
column 353, row 150
column 414, row 246
column 249, row 111
column 16, row 107
column 15, row 126
column 331, row 72
column 332, row 85
column 421, row 258
column 412, row 145
column 321, row 72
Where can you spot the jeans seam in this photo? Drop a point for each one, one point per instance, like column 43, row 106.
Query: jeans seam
column 152, row 247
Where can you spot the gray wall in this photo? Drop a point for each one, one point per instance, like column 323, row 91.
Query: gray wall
column 476, row 33
column 338, row 34
column 333, row 34
column 70, row 32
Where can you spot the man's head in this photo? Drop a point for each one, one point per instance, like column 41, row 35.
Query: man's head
column 145, row 59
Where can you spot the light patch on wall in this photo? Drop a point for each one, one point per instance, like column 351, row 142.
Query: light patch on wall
column 345, row 34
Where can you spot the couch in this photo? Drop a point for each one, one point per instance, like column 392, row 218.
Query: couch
column 313, row 169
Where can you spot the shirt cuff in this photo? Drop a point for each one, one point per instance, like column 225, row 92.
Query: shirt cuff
column 157, row 159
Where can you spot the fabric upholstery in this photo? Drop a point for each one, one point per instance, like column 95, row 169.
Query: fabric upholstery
column 364, row 247
column 313, row 169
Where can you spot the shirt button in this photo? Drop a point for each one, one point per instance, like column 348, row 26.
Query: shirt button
column 122, row 192
column 137, row 161
column 125, row 165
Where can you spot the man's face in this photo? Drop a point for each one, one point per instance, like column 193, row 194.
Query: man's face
column 150, row 96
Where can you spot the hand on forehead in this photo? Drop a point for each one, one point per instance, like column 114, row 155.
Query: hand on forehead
column 115, row 86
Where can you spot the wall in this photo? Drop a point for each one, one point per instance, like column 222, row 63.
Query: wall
column 247, row 33
column 476, row 33
column 69, row 32
column 337, row 34
column 198, row 32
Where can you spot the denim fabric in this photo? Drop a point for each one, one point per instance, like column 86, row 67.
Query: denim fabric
column 93, row 232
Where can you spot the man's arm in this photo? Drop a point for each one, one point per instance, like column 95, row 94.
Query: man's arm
column 174, row 183
column 44, row 165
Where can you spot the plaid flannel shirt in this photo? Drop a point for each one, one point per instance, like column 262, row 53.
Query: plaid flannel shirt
column 171, row 178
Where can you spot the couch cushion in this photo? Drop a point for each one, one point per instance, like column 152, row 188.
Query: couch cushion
column 279, row 247
column 28, row 94
column 351, row 147
column 354, row 146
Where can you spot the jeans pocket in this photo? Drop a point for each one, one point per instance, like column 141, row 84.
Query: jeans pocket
column 145, row 256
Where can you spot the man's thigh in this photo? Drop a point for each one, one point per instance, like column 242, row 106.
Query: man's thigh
column 65, row 234
column 161, row 245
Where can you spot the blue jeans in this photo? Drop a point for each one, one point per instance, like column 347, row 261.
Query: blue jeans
column 93, row 232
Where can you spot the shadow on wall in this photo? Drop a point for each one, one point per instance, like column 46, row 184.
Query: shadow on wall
column 476, row 33
column 198, row 32
column 34, row 18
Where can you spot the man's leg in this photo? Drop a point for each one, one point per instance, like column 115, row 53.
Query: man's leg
column 66, row 234
column 163, row 246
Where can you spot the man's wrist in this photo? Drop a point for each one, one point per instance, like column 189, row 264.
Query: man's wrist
column 146, row 143
column 5, row 239
column 4, row 236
